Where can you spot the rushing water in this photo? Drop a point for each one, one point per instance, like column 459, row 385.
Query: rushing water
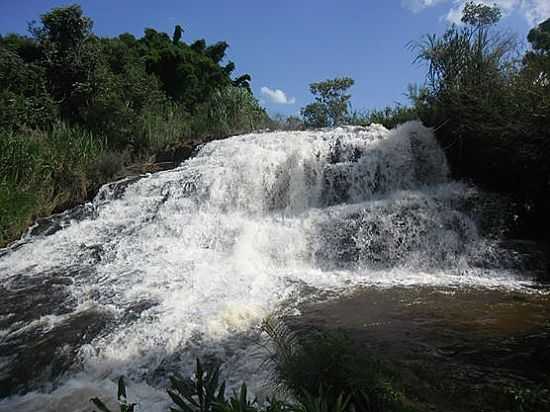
column 159, row 269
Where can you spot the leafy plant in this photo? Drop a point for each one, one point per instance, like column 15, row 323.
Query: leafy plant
column 121, row 397
column 200, row 394
column 325, row 370
column 238, row 402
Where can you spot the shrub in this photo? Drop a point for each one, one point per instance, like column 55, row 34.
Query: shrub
column 327, row 370
column 389, row 117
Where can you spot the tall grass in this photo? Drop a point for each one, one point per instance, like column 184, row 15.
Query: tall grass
column 43, row 171
column 161, row 128
column 231, row 110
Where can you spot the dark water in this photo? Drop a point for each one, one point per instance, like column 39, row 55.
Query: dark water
column 461, row 349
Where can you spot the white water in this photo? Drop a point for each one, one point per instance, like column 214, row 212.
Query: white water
column 210, row 248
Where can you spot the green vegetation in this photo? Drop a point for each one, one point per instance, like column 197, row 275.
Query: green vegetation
column 329, row 370
column 389, row 116
column 325, row 371
column 491, row 109
column 332, row 108
column 314, row 372
column 331, row 103
column 76, row 109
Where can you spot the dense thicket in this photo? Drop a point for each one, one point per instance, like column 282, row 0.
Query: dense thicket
column 491, row 108
column 75, row 108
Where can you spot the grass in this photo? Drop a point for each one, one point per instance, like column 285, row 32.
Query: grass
column 41, row 172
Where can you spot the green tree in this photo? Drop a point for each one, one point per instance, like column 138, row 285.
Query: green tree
column 24, row 101
column 480, row 15
column 70, row 58
column 331, row 104
column 189, row 74
column 178, row 32
column 537, row 60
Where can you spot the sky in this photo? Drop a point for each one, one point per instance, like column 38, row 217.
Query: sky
column 287, row 44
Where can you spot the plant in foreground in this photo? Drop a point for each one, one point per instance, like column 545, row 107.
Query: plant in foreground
column 122, row 400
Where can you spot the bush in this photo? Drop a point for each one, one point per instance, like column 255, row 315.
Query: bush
column 326, row 368
column 231, row 110
column 205, row 392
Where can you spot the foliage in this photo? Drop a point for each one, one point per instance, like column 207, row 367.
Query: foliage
column 70, row 58
column 326, row 371
column 389, row 117
column 490, row 110
column 43, row 171
column 121, row 397
column 331, row 103
column 231, row 110
column 201, row 394
column 188, row 73
column 479, row 15
column 205, row 393
column 315, row 115
column 348, row 383
column 23, row 96
column 281, row 122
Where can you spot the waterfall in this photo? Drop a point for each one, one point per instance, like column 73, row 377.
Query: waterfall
column 165, row 267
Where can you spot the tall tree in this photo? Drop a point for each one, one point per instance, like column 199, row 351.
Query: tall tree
column 70, row 57
column 331, row 104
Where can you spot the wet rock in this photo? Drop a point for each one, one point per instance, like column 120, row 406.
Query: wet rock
column 38, row 354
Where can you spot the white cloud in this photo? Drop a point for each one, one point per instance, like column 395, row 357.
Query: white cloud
column 535, row 11
column 454, row 15
column 418, row 5
column 277, row 96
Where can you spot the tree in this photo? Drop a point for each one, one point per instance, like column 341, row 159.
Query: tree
column 70, row 57
column 539, row 37
column 189, row 74
column 537, row 60
column 178, row 32
column 331, row 103
column 315, row 115
column 480, row 15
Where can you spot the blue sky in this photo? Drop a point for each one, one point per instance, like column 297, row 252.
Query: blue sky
column 287, row 44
